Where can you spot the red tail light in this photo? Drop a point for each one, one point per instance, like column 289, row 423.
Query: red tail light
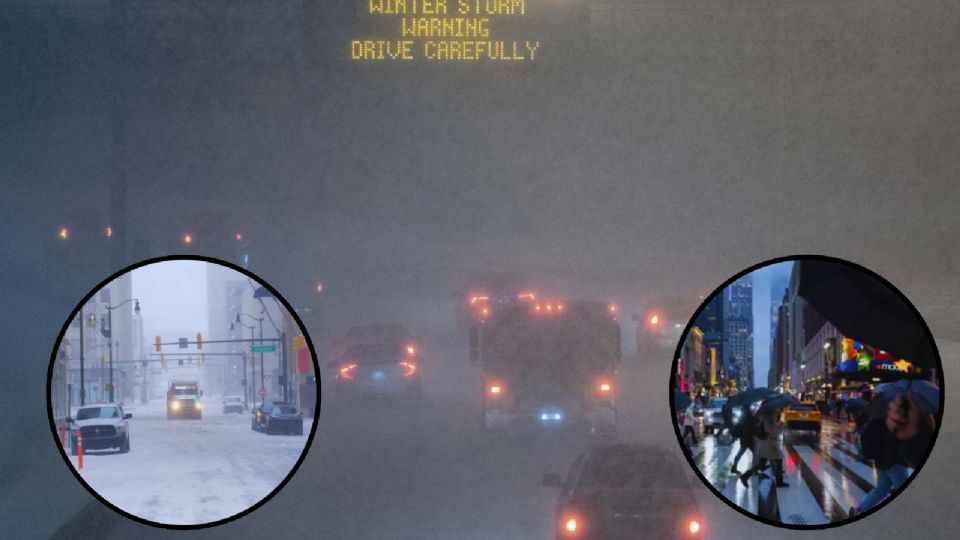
column 409, row 368
column 495, row 390
column 347, row 370
column 605, row 388
column 693, row 527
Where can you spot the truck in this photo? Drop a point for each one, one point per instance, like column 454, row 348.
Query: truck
column 545, row 364
column 183, row 400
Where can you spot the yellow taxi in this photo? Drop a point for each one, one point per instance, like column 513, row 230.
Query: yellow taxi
column 802, row 416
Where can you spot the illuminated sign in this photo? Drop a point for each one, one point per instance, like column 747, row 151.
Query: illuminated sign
column 443, row 31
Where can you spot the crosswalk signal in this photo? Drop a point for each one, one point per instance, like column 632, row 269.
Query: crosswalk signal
column 199, row 341
column 157, row 343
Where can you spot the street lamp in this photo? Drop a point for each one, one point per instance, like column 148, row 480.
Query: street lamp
column 109, row 333
column 246, row 383
column 260, row 321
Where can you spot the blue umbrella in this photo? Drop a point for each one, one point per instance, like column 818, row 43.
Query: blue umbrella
column 855, row 404
column 779, row 401
column 925, row 393
column 681, row 400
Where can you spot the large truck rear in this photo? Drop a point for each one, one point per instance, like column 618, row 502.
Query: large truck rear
column 546, row 364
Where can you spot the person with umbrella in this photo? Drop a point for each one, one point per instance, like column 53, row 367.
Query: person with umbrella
column 768, row 435
column 737, row 416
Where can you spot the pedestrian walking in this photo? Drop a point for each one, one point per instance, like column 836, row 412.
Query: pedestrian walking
column 689, row 427
column 878, row 443
column 768, row 448
column 743, row 430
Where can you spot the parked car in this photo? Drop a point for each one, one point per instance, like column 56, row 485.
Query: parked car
column 277, row 417
column 626, row 491
column 101, row 427
column 232, row 404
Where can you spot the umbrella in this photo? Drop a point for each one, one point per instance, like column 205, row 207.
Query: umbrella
column 855, row 404
column 779, row 401
column 865, row 308
column 925, row 394
column 749, row 396
column 681, row 400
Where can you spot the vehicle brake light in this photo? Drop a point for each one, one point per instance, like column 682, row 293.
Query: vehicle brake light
column 409, row 368
column 693, row 526
column 346, row 372
column 605, row 388
column 411, row 349
column 571, row 526
column 495, row 389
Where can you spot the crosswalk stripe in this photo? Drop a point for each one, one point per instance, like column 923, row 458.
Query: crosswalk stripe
column 861, row 469
column 828, row 505
column 842, row 488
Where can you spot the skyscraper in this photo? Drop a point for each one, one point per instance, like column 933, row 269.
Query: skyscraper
column 738, row 326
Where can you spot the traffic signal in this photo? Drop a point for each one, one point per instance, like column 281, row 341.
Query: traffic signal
column 179, row 361
column 199, row 341
column 106, row 359
column 157, row 342
column 299, row 342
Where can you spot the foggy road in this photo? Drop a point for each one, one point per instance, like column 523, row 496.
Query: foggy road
column 388, row 471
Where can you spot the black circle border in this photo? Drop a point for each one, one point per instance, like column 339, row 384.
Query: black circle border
column 796, row 258
column 278, row 297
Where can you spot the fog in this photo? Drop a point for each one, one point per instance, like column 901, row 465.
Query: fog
column 649, row 154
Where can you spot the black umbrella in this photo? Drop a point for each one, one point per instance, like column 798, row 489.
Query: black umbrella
column 866, row 309
column 681, row 400
column 779, row 401
column 855, row 404
column 749, row 396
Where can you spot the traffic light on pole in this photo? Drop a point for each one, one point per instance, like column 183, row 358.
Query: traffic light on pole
column 157, row 342
column 199, row 341
column 299, row 342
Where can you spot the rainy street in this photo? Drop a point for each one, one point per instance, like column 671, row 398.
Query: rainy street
column 825, row 479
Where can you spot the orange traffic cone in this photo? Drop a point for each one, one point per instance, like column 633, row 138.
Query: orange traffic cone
column 79, row 450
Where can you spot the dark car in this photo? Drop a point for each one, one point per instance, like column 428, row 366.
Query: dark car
column 381, row 369
column 277, row 417
column 101, row 427
column 619, row 491
column 232, row 404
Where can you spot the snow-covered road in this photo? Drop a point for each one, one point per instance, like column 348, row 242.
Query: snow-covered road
column 191, row 471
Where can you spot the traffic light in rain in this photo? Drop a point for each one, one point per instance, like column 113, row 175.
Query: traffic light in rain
column 299, row 342
column 157, row 342
column 199, row 341
column 180, row 361
column 106, row 359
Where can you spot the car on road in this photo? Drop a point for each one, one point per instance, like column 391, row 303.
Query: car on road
column 232, row 404
column 274, row 417
column 620, row 491
column 713, row 415
column 803, row 416
column 102, row 426
column 389, row 368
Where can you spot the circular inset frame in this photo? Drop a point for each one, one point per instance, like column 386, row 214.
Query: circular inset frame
column 286, row 305
column 797, row 258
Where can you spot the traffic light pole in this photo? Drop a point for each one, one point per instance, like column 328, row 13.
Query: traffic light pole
column 83, row 388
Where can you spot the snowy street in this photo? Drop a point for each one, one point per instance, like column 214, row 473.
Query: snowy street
column 191, row 471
